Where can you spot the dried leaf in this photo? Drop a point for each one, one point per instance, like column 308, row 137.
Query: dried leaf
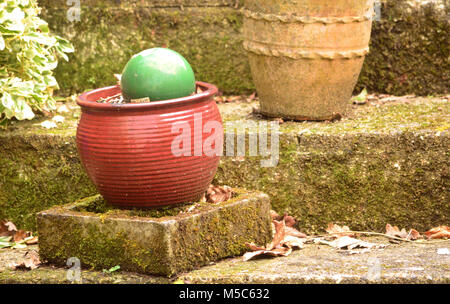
column 396, row 232
column 21, row 235
column 233, row 98
column 7, row 228
column 32, row 241
column 216, row 194
column 274, row 215
column 338, row 231
column 289, row 220
column 282, row 251
column 414, row 235
column 350, row 243
column 294, row 232
column 254, row 247
column 199, row 90
column 293, row 242
column 251, row 97
column 30, row 262
column 285, row 239
column 440, row 232
column 280, row 233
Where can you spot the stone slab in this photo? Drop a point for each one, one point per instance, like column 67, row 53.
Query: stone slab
column 411, row 263
column 399, row 263
column 151, row 244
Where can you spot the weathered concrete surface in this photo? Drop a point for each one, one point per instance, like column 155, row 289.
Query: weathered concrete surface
column 409, row 46
column 49, row 274
column 142, row 243
column 404, row 263
column 382, row 163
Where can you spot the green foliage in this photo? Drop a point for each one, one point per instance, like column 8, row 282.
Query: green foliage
column 112, row 269
column 28, row 55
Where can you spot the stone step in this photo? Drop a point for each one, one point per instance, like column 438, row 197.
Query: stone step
column 385, row 162
column 398, row 263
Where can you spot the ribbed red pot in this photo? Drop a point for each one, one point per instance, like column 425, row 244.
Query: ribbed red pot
column 126, row 149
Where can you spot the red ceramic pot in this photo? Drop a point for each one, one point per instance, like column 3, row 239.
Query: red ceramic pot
column 128, row 149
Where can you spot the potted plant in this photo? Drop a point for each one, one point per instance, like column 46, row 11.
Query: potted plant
column 147, row 153
column 306, row 55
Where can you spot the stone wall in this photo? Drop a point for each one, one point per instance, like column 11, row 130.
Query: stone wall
column 409, row 48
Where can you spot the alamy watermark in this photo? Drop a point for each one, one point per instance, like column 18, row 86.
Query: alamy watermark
column 74, row 272
column 208, row 139
column 74, row 11
column 374, row 271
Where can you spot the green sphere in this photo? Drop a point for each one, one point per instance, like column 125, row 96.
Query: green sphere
column 158, row 74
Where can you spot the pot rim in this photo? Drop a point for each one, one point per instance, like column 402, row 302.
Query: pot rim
column 84, row 101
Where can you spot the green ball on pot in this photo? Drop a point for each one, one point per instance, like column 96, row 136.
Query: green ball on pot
column 158, row 74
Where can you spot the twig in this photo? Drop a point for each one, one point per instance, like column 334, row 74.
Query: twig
column 380, row 234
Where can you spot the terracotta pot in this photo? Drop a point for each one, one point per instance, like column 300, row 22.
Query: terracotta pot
column 127, row 149
column 306, row 55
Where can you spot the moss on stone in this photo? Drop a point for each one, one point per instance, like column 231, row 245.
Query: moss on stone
column 99, row 206
column 209, row 38
column 409, row 50
column 163, row 245
column 37, row 172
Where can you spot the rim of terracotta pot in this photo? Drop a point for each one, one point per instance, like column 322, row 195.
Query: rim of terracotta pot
column 89, row 99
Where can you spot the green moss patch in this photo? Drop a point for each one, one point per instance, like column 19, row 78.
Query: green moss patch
column 98, row 205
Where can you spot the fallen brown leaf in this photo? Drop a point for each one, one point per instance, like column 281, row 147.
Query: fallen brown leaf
column 32, row 241
column 284, row 241
column 283, row 251
column 396, row 232
column 350, row 243
column 21, row 235
column 199, row 90
column 294, row 232
column 293, row 242
column 440, row 232
column 289, row 220
column 233, row 98
column 280, row 233
column 339, row 231
column 251, row 97
column 216, row 194
column 31, row 261
column 274, row 215
column 7, row 228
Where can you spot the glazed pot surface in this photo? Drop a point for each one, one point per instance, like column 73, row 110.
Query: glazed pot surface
column 151, row 154
column 306, row 56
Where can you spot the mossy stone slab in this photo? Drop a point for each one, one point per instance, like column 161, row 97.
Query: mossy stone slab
column 153, row 245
